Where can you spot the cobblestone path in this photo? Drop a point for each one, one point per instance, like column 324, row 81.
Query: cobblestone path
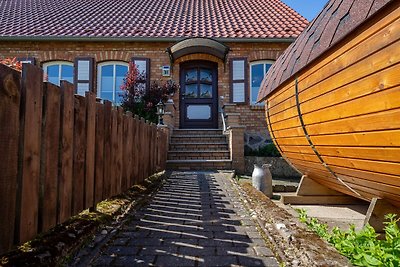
column 196, row 219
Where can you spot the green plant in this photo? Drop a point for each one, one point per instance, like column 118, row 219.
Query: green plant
column 268, row 150
column 363, row 248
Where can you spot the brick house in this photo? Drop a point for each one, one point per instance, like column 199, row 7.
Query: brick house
column 212, row 48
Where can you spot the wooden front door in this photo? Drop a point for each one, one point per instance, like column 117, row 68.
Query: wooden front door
column 198, row 95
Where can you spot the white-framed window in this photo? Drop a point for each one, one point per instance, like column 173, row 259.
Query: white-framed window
column 258, row 69
column 110, row 76
column 59, row 70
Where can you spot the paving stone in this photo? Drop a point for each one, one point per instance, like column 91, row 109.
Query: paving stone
column 134, row 261
column 196, row 219
column 263, row 251
column 121, row 250
column 103, row 260
column 258, row 261
column 175, row 260
column 210, row 261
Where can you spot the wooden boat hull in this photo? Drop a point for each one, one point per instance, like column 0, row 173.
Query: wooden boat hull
column 338, row 121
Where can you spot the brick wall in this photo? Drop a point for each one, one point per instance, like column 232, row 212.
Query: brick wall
column 252, row 117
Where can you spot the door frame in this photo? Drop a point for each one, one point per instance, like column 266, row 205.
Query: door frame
column 213, row 123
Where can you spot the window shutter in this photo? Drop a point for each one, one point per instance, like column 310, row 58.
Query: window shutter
column 83, row 75
column 239, row 80
column 29, row 60
column 143, row 65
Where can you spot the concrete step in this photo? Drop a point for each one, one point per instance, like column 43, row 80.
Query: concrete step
column 221, row 164
column 197, row 132
column 198, row 154
column 198, row 146
column 217, row 138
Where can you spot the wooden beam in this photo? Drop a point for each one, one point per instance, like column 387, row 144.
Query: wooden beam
column 377, row 210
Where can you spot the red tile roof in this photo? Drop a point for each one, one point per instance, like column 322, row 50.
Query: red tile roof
column 149, row 19
column 337, row 20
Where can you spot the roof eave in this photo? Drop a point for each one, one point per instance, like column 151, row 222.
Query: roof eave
column 139, row 39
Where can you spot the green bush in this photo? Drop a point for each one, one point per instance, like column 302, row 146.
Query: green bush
column 362, row 248
column 268, row 150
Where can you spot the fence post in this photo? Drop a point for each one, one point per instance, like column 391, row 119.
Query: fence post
column 9, row 136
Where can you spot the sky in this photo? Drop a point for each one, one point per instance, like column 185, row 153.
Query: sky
column 307, row 8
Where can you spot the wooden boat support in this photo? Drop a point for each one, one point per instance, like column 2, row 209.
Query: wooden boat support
column 333, row 101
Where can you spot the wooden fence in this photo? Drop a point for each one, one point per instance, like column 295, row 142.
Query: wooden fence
column 62, row 153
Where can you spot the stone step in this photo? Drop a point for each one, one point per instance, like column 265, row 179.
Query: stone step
column 221, row 164
column 217, row 138
column 197, row 132
column 199, row 146
column 204, row 154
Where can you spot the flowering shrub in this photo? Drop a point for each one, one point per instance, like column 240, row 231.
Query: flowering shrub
column 141, row 100
column 12, row 63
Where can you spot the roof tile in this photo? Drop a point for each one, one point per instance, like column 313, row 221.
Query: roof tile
column 149, row 18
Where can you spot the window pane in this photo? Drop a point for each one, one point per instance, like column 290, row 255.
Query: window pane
column 198, row 112
column 191, row 91
column 267, row 66
column 205, row 91
column 107, row 81
column 191, row 75
column 238, row 69
column 141, row 66
column 53, row 74
column 238, row 92
column 205, row 75
column 67, row 73
column 257, row 75
column 119, row 79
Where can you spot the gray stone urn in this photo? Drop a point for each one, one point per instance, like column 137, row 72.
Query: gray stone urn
column 262, row 179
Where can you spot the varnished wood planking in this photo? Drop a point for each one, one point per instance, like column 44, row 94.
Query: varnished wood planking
column 286, row 124
column 384, row 120
column 298, row 141
column 49, row 157
column 302, row 156
column 390, row 154
column 298, row 149
column 375, row 82
column 367, row 175
column 381, row 138
column 292, row 132
column 10, row 97
column 388, row 99
column 66, row 152
column 384, row 58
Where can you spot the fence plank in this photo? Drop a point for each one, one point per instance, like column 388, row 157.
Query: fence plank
column 9, row 134
column 99, row 154
column 142, row 149
column 90, row 148
column 125, row 156
column 107, row 149
column 114, row 152
column 32, row 96
column 49, row 157
column 119, row 150
column 79, row 154
column 136, row 149
column 129, row 152
column 66, row 152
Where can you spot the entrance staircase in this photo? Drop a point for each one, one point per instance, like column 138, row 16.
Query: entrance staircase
column 198, row 149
